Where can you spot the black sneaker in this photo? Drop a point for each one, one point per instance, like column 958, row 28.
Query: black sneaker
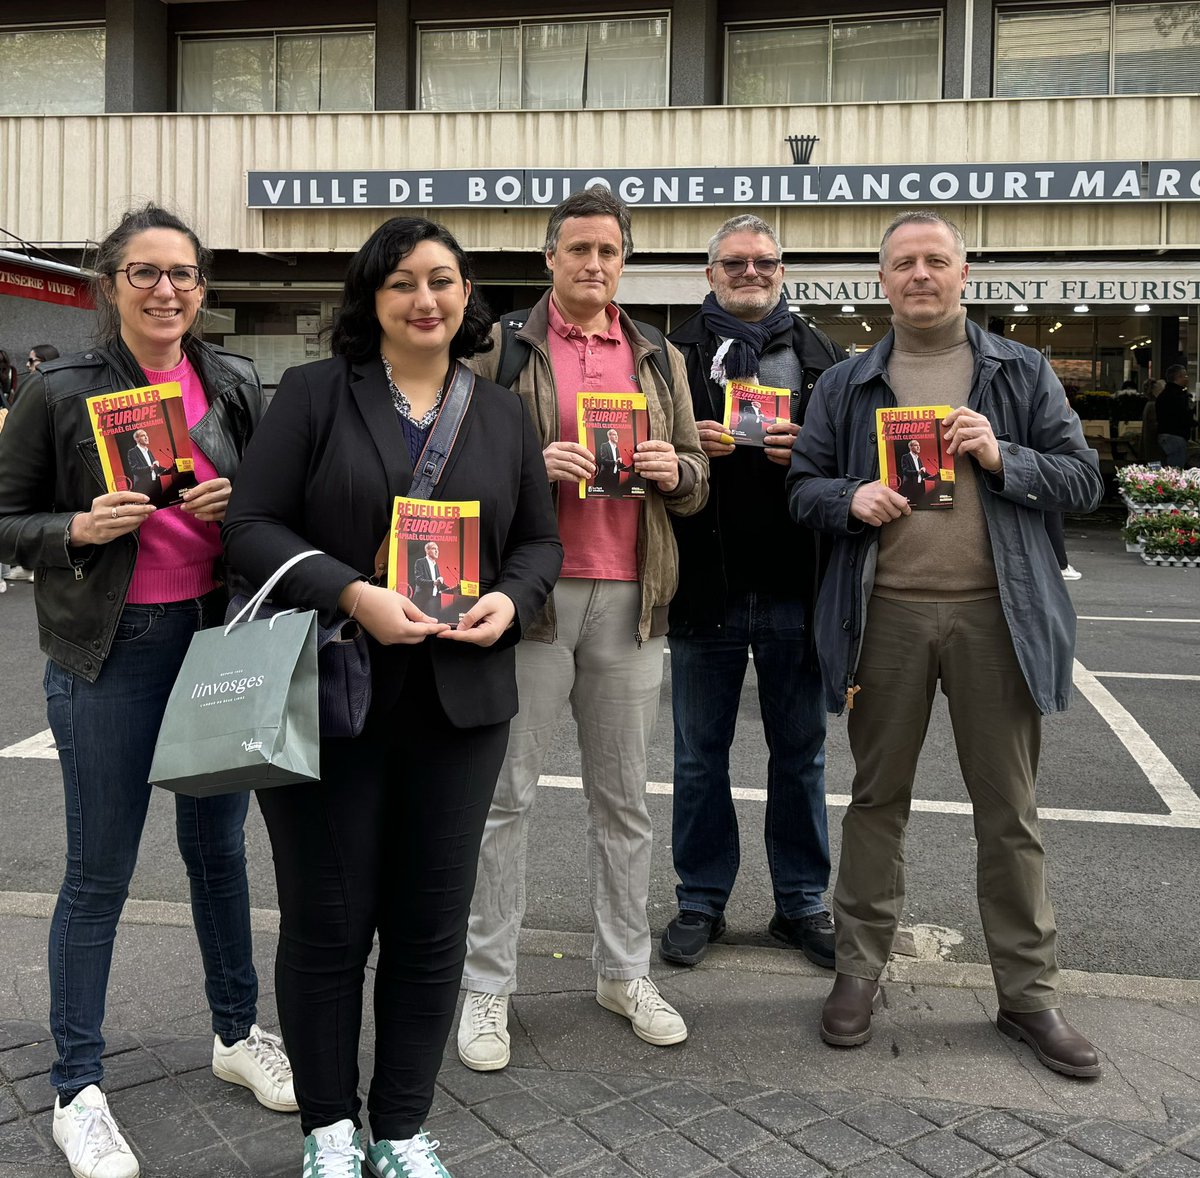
column 686, row 939
column 811, row 934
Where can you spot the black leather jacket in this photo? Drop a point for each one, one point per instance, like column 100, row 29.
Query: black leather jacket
column 50, row 471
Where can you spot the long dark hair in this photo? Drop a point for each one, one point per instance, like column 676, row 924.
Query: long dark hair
column 112, row 249
column 8, row 378
column 356, row 332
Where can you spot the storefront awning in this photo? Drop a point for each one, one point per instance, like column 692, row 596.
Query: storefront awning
column 24, row 277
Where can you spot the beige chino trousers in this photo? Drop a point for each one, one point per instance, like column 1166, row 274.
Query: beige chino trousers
column 612, row 684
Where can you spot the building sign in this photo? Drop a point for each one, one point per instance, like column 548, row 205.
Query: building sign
column 1164, row 284
column 1001, row 285
column 49, row 285
column 1105, row 181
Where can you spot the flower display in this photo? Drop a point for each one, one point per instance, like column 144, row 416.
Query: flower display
column 1144, row 486
column 1167, row 533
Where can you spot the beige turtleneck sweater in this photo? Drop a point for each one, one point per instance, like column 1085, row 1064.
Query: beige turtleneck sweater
column 936, row 555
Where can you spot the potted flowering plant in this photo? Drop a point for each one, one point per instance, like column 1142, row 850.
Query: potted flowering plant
column 1166, row 537
column 1145, row 488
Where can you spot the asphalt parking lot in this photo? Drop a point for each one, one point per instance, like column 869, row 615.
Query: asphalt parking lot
column 1118, row 791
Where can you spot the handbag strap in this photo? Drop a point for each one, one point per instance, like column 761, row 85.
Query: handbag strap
column 252, row 606
column 444, row 434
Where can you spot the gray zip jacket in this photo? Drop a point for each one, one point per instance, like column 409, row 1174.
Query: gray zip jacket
column 1047, row 467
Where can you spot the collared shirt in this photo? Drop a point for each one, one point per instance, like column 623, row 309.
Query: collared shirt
column 599, row 535
column 402, row 403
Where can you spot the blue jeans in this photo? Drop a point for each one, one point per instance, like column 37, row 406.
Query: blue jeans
column 1174, row 449
column 105, row 733
column 706, row 685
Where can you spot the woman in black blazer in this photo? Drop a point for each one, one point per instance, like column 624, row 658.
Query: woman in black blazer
column 388, row 840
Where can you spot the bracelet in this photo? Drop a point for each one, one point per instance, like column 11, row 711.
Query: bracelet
column 362, row 588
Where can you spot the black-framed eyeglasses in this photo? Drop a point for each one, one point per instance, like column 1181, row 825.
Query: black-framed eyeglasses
column 736, row 267
column 32, row 362
column 145, row 276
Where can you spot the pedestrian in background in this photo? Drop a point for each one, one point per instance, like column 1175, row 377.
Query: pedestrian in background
column 8, row 380
column 1174, row 411
column 37, row 354
column 121, row 590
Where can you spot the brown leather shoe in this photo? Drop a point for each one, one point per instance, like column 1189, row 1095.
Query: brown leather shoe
column 846, row 1015
column 1054, row 1041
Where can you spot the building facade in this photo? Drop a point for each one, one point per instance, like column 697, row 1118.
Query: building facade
column 1059, row 135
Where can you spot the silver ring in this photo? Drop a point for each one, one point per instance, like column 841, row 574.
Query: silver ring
column 114, row 513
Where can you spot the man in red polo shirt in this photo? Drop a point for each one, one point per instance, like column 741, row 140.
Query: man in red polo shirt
column 600, row 641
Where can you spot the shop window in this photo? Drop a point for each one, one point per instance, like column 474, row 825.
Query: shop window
column 34, row 62
column 283, row 72
column 1098, row 49
column 545, row 65
column 835, row 61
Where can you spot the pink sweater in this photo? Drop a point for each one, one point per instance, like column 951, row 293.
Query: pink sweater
column 176, row 551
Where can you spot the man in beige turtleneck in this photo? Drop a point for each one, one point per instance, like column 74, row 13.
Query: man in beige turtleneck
column 971, row 597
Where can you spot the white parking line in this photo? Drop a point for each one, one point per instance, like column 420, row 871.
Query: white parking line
column 1166, row 621
column 1167, row 781
column 40, row 746
column 1146, row 675
column 1178, row 821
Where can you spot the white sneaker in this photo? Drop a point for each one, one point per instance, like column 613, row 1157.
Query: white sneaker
column 333, row 1151
column 259, row 1063
column 17, row 573
column 413, row 1157
column 87, row 1133
column 653, row 1017
column 483, row 1032
column 3, row 585
column 1071, row 573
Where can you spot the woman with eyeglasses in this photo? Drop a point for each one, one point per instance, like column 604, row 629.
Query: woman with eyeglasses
column 120, row 588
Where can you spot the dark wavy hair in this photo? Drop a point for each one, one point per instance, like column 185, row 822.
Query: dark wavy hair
column 112, row 250
column 356, row 331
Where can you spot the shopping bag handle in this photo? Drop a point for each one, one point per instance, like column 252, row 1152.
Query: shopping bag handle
column 252, row 606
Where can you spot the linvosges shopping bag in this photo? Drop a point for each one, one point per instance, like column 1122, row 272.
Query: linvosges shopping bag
column 243, row 711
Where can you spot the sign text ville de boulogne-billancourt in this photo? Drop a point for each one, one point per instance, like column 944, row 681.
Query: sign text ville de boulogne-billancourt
column 1123, row 180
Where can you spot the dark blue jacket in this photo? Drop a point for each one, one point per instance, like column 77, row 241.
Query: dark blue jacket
column 1047, row 467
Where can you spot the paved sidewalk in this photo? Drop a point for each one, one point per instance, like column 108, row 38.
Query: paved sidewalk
column 753, row 1092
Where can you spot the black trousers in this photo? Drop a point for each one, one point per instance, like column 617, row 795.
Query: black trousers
column 1057, row 531
column 386, row 842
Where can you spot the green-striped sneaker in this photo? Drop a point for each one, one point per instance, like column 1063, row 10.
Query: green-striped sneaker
column 412, row 1158
column 334, row 1151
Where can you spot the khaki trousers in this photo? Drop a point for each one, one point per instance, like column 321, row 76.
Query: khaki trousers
column 907, row 647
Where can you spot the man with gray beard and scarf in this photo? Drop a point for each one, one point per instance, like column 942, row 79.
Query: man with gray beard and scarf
column 747, row 582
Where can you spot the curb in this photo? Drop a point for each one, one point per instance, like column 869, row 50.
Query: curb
column 720, row 958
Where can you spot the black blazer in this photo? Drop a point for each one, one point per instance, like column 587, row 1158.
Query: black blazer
column 322, row 471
